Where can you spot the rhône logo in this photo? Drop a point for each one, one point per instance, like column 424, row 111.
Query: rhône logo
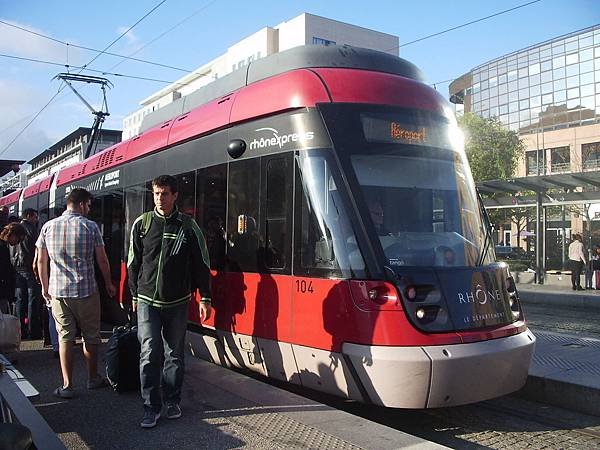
column 480, row 296
column 277, row 140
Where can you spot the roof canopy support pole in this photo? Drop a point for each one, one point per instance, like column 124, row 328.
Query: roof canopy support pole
column 539, row 272
column 542, row 238
column 563, row 239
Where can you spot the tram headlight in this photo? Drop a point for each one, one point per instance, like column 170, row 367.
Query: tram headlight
column 411, row 292
column 420, row 313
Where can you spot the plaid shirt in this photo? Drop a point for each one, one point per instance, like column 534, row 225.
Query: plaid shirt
column 70, row 240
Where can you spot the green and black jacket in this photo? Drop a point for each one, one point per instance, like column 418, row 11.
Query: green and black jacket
column 168, row 260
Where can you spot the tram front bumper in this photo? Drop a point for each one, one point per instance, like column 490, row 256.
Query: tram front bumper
column 439, row 376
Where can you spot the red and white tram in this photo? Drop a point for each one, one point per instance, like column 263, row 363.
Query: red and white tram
column 349, row 251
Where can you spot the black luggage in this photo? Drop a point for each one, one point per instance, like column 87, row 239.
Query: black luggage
column 123, row 359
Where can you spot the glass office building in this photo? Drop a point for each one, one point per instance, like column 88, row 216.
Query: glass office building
column 548, row 86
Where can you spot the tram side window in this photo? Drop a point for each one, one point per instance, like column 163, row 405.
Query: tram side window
column 136, row 202
column 325, row 244
column 243, row 233
column 279, row 182
column 186, row 200
column 211, row 206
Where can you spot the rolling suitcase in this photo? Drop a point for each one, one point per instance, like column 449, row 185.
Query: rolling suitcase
column 123, row 359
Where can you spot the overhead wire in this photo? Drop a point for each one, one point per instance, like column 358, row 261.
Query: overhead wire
column 68, row 66
column 164, row 33
column 463, row 25
column 84, row 68
column 83, row 47
column 104, row 51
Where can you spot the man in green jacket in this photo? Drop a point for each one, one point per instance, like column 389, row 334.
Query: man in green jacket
column 167, row 262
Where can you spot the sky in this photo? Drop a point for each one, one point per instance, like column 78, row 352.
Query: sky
column 185, row 34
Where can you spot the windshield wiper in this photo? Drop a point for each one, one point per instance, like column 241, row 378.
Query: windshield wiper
column 488, row 230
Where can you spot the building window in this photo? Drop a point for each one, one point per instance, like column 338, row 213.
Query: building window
column 560, row 159
column 321, row 41
column 590, row 154
column 535, row 160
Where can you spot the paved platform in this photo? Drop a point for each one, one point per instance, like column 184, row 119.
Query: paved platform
column 566, row 368
column 560, row 295
column 222, row 409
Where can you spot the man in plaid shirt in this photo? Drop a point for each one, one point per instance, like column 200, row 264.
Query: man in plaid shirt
column 71, row 242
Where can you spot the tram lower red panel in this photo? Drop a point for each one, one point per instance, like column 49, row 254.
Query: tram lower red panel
column 317, row 313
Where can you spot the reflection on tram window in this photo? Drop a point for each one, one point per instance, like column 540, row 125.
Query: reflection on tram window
column 278, row 232
column 426, row 213
column 186, row 183
column 211, row 201
column 325, row 242
column 243, row 233
column 136, row 202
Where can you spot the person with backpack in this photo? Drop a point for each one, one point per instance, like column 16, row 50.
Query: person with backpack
column 10, row 236
column 168, row 260
column 28, row 290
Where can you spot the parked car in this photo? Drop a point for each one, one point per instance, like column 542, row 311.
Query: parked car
column 517, row 258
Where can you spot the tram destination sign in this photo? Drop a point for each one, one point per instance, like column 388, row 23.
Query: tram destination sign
column 390, row 130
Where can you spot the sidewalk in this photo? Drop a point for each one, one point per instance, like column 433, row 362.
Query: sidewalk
column 222, row 409
column 565, row 370
column 550, row 294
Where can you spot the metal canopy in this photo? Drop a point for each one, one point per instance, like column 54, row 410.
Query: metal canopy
column 542, row 183
column 6, row 165
column 566, row 183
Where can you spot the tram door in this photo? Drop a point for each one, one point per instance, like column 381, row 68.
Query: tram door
column 107, row 211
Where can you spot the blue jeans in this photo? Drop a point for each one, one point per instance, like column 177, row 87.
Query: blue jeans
column 29, row 304
column 161, row 331
column 52, row 329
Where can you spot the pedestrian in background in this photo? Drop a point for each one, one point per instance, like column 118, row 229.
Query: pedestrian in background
column 577, row 261
column 72, row 243
column 595, row 264
column 168, row 261
column 11, row 235
column 28, row 291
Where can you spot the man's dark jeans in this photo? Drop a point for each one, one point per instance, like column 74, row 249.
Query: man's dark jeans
column 29, row 304
column 161, row 331
column 576, row 268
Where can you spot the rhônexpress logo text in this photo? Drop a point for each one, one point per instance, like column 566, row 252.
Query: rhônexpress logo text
column 277, row 140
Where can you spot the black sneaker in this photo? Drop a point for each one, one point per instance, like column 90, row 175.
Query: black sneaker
column 173, row 411
column 150, row 418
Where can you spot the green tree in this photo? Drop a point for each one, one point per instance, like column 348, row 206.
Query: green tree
column 492, row 150
column 493, row 153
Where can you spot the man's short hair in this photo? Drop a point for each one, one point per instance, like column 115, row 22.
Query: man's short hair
column 29, row 212
column 166, row 181
column 77, row 196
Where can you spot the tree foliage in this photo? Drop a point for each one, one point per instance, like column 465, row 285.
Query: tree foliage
column 492, row 150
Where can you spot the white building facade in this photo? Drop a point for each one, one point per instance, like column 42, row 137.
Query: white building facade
column 305, row 29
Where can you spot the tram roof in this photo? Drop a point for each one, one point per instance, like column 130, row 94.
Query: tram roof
column 303, row 57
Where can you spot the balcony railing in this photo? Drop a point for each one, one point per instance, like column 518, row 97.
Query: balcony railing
column 560, row 167
column 591, row 164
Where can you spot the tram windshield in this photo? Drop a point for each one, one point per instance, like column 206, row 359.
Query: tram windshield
column 416, row 183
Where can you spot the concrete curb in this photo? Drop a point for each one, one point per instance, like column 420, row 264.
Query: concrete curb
column 571, row 396
column 574, row 300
